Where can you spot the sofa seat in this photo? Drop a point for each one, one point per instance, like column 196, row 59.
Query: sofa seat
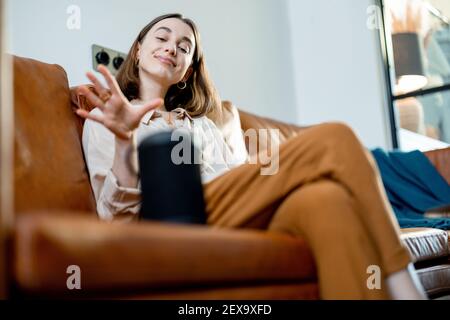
column 116, row 257
column 149, row 255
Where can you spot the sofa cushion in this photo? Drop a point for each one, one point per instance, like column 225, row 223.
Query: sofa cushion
column 426, row 243
column 150, row 255
column 49, row 169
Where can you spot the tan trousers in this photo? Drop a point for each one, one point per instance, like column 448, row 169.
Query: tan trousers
column 328, row 191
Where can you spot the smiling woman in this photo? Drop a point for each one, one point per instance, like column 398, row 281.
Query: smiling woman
column 163, row 84
column 161, row 39
column 325, row 193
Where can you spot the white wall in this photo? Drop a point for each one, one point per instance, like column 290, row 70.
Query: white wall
column 301, row 61
column 337, row 67
column 246, row 43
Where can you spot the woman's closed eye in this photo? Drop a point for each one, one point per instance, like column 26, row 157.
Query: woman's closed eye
column 184, row 50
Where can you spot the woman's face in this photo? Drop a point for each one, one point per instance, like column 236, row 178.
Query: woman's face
column 167, row 50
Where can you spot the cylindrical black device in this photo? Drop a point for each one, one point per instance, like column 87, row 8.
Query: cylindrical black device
column 170, row 178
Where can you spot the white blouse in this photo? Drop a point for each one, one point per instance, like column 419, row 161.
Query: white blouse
column 115, row 202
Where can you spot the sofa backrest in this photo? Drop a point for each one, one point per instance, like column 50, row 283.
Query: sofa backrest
column 282, row 131
column 50, row 171
column 439, row 158
column 49, row 168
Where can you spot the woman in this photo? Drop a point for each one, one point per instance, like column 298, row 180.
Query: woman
column 327, row 188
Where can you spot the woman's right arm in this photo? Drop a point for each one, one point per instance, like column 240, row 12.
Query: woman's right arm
column 107, row 151
column 124, row 157
column 114, row 200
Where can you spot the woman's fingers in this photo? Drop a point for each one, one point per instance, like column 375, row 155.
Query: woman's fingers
column 98, row 85
column 100, row 119
column 88, row 115
column 93, row 98
column 110, row 80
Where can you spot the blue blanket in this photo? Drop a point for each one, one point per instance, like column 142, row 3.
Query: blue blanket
column 413, row 186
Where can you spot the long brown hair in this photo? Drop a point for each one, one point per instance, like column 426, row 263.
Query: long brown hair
column 198, row 98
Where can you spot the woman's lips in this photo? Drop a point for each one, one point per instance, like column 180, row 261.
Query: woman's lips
column 166, row 61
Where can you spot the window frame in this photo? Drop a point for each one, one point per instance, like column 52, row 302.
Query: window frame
column 387, row 57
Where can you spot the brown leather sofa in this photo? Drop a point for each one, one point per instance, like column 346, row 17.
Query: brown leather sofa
column 56, row 225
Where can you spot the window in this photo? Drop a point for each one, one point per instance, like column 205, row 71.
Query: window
column 416, row 41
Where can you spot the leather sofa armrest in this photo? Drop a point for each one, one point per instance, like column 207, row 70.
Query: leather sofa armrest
column 441, row 160
column 114, row 257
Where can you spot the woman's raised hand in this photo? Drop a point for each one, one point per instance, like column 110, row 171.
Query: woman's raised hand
column 118, row 114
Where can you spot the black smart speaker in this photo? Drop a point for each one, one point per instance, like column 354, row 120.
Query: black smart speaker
column 170, row 178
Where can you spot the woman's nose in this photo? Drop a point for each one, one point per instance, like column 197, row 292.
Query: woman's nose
column 171, row 49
